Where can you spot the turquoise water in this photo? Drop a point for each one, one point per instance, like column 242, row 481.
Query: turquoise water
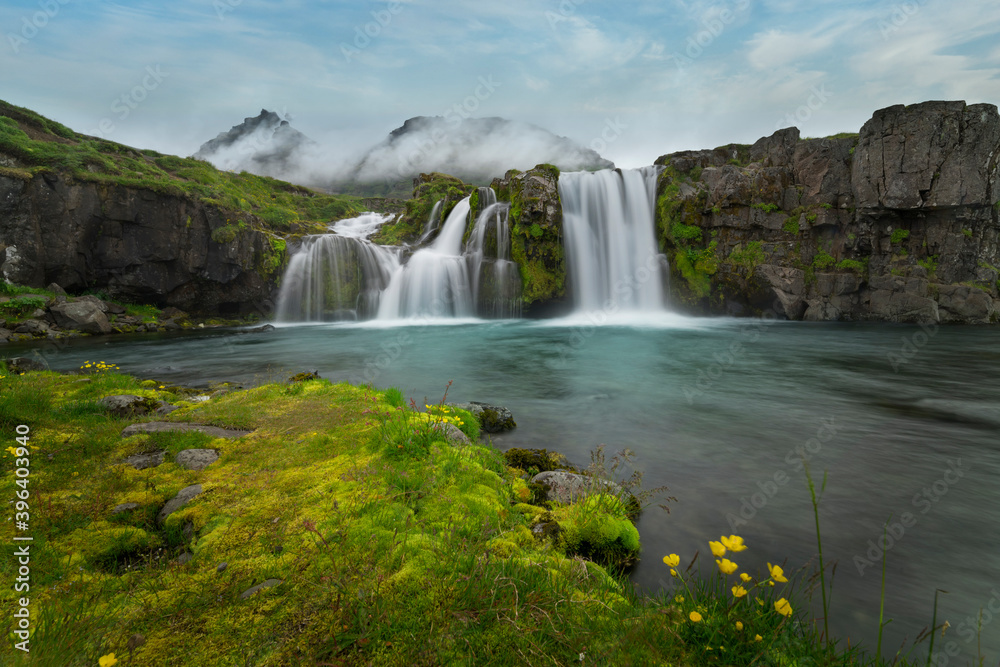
column 905, row 421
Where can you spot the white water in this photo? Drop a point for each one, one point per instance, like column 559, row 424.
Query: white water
column 337, row 276
column 496, row 280
column 612, row 257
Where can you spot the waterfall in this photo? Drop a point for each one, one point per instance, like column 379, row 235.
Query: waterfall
column 496, row 281
column 337, row 276
column 610, row 240
column 435, row 282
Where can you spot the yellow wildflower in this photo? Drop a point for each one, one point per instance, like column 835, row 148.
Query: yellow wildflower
column 758, row 638
column 695, row 617
column 783, row 607
column 717, row 549
column 777, row 573
column 734, row 543
column 726, row 566
column 673, row 560
column 679, row 598
column 739, row 625
column 739, row 591
column 673, row 572
column 745, row 577
column 107, row 660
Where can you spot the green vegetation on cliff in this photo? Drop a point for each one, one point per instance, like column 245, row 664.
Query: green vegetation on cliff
column 37, row 145
column 428, row 190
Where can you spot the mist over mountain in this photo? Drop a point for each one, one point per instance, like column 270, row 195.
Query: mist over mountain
column 265, row 144
column 473, row 149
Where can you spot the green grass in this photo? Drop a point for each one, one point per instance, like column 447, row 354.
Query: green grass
column 278, row 205
column 823, row 260
column 767, row 208
column 392, row 547
column 899, row 235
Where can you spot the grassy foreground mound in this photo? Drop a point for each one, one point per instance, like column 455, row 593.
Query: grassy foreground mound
column 376, row 541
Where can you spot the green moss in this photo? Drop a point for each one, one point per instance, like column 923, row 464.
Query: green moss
column 687, row 232
column 747, row 257
column 791, row 224
column 225, row 234
column 430, row 189
column 859, row 267
column 767, row 208
column 823, row 260
column 598, row 528
column 930, row 264
column 899, row 235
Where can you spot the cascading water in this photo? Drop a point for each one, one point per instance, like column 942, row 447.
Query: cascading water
column 610, row 240
column 496, row 281
column 435, row 282
column 337, row 276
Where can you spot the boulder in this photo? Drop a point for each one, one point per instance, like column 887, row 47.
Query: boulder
column 492, row 418
column 22, row 365
column 127, row 405
column 181, row 499
column 55, row 288
column 789, row 287
column 196, row 459
column 453, row 434
column 84, row 316
column 776, row 150
column 963, row 303
column 143, row 461
column 568, row 487
column 32, row 328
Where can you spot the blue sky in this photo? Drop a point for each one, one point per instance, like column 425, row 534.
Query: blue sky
column 635, row 79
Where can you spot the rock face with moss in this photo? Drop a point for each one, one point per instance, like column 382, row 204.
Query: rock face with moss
column 136, row 245
column 898, row 224
column 536, row 233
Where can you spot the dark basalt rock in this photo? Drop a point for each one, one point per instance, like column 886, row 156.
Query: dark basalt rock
column 492, row 418
column 22, row 365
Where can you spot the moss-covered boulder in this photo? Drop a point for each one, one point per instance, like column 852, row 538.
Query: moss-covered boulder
column 428, row 190
column 536, row 232
column 598, row 528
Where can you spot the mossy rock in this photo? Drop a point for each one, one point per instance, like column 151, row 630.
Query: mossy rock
column 598, row 528
column 304, row 376
column 536, row 460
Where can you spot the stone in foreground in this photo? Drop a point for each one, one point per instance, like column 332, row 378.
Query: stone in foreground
column 181, row 499
column 196, row 459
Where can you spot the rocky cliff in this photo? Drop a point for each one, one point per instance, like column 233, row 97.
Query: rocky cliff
column 135, row 244
column 899, row 223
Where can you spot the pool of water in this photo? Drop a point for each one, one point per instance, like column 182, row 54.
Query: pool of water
column 904, row 421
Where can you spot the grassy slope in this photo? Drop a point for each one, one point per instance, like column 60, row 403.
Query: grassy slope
column 38, row 144
column 389, row 552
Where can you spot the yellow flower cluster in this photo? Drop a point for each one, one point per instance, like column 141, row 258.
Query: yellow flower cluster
column 440, row 413
column 98, row 367
column 733, row 544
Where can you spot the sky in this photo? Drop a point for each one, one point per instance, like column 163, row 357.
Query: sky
column 632, row 79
